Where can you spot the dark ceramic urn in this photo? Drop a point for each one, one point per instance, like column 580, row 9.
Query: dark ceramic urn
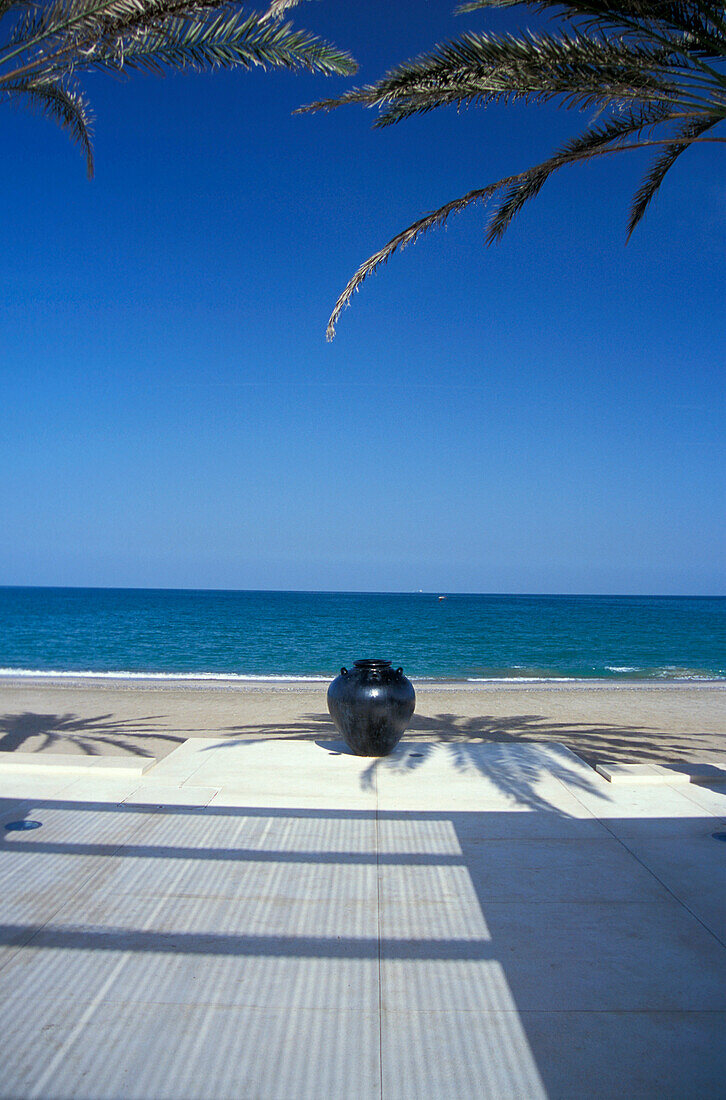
column 371, row 706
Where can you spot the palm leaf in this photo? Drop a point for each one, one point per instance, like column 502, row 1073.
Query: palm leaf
column 220, row 41
column 609, row 136
column 692, row 129
column 64, row 105
column 82, row 18
column 700, row 18
column 595, row 142
column 432, row 220
column 644, row 66
column 52, row 41
column 84, row 34
column 483, row 69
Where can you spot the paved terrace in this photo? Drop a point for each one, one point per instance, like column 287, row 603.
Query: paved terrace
column 281, row 919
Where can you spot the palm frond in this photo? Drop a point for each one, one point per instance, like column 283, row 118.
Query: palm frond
column 52, row 41
column 70, row 34
column 406, row 237
column 687, row 133
column 364, row 95
column 219, row 41
column 607, row 135
column 645, row 66
column 63, row 104
column 482, row 69
column 645, row 11
column 596, row 142
column 78, row 19
column 433, row 220
column 703, row 20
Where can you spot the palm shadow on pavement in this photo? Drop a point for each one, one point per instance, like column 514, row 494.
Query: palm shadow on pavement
column 101, row 735
column 594, row 742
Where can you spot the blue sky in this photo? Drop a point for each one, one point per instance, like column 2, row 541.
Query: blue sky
column 543, row 416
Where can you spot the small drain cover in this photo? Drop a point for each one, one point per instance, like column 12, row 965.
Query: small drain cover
column 21, row 826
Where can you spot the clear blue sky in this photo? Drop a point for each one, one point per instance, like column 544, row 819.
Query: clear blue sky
column 544, row 416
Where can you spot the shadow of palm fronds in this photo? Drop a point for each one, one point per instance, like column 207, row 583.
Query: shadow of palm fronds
column 594, row 742
column 515, row 777
column 89, row 735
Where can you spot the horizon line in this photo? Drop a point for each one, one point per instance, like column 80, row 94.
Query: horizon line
column 369, row 592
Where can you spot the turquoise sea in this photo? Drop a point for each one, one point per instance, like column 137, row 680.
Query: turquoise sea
column 308, row 635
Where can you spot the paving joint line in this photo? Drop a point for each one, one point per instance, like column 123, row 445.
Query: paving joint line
column 672, row 893
column 649, row 870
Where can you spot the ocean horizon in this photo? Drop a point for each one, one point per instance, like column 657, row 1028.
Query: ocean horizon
column 259, row 636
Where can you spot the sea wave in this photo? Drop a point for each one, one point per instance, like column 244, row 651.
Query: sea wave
column 125, row 675
column 668, row 674
column 646, row 676
column 522, row 679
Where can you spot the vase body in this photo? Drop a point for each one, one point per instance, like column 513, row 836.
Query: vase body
column 371, row 705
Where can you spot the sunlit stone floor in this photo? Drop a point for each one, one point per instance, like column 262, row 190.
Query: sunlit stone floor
column 280, row 919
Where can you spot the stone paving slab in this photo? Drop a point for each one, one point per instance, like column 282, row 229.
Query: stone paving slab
column 67, row 763
column 282, row 920
column 659, row 774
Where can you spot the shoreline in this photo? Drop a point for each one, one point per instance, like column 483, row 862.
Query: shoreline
column 239, row 683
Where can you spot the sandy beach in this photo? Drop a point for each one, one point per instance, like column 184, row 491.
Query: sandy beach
column 634, row 722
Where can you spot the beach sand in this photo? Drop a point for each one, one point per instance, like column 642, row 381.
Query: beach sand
column 634, row 722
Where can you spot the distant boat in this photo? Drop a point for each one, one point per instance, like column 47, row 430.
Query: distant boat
column 442, row 597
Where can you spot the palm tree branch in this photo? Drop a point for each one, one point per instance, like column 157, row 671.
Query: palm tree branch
column 64, row 28
column 662, row 22
column 573, row 98
column 679, row 16
column 483, row 194
column 611, row 133
column 108, row 29
column 72, row 18
column 63, row 15
column 687, row 134
column 64, row 105
column 220, row 40
column 483, row 69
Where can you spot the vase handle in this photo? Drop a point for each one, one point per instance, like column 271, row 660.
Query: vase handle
column 344, row 671
column 399, row 671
